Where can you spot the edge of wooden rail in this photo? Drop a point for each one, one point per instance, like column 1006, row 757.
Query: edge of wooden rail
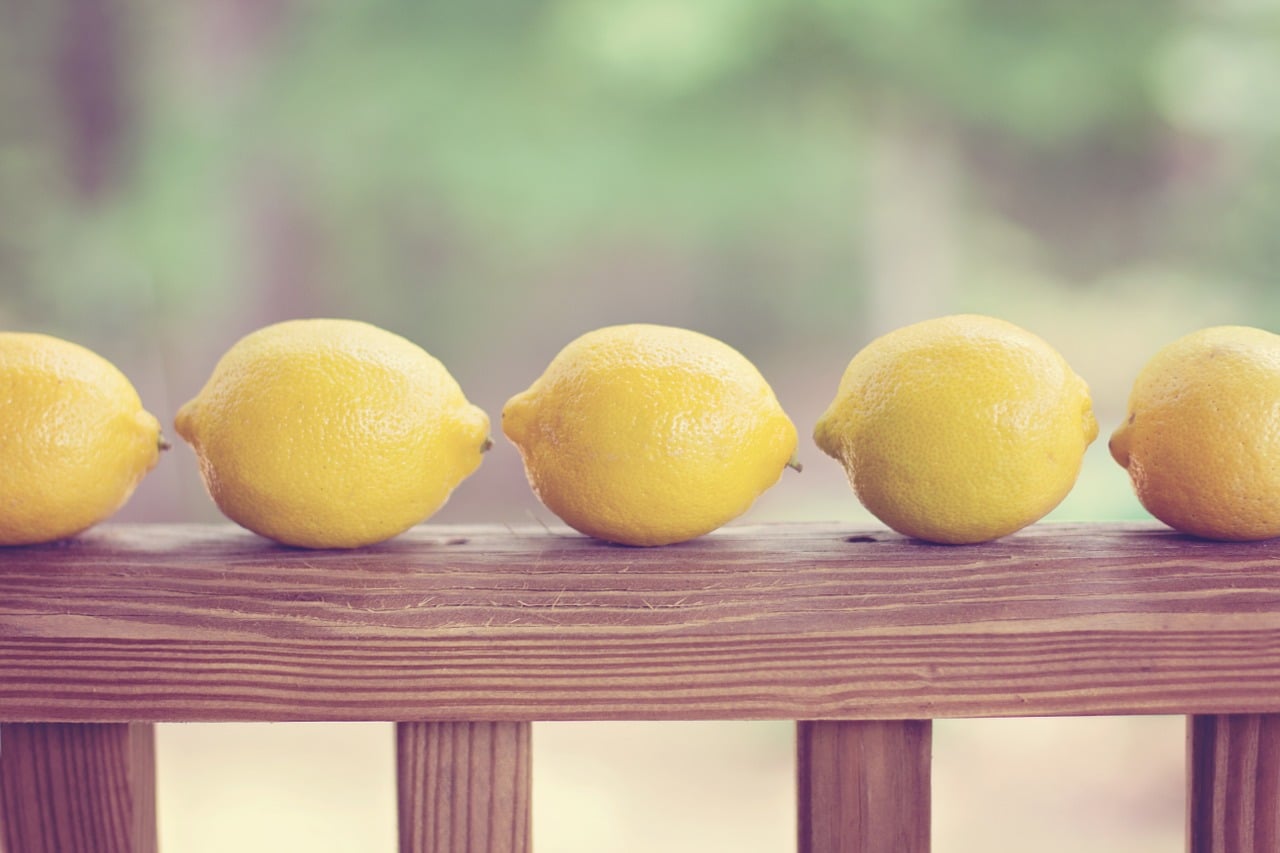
column 787, row 622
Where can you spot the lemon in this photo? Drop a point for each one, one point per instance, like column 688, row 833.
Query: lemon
column 74, row 438
column 959, row 429
column 648, row 435
column 331, row 433
column 1201, row 440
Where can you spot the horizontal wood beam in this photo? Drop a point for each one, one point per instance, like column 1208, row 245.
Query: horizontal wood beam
column 813, row 621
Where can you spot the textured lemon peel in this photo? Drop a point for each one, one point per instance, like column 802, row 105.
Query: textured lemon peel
column 1201, row 437
column 649, row 435
column 75, row 440
column 960, row 429
column 331, row 433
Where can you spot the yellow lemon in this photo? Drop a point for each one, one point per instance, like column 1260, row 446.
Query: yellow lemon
column 959, row 429
column 331, row 433
column 1202, row 438
column 74, row 438
column 648, row 435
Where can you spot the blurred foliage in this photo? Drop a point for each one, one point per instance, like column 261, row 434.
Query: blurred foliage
column 1048, row 73
column 472, row 161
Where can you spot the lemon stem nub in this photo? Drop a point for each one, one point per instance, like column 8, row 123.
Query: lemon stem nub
column 162, row 443
column 487, row 446
column 794, row 463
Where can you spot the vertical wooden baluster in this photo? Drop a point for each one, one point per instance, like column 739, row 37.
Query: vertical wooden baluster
column 77, row 788
column 464, row 787
column 1233, row 801
column 864, row 787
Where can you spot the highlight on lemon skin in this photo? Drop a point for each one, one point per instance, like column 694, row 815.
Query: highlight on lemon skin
column 1201, row 437
column 959, row 429
column 649, row 435
column 75, row 440
column 329, row 433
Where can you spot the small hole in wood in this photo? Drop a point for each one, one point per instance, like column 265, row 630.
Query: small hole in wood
column 860, row 538
column 457, row 540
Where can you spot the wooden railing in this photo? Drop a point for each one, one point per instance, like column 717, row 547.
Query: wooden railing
column 463, row 636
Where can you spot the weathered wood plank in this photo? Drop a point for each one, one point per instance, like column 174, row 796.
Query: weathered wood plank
column 71, row 788
column 1233, row 783
column 464, row 787
column 864, row 786
column 768, row 622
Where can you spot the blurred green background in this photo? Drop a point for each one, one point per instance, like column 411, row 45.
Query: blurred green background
column 491, row 179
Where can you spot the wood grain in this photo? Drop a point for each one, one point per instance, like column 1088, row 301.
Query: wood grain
column 464, row 787
column 1233, row 803
column 864, row 786
column 158, row 623
column 67, row 788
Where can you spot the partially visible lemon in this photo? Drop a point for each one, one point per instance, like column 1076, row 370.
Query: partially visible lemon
column 74, row 438
column 648, row 435
column 331, row 433
column 1202, row 438
column 959, row 429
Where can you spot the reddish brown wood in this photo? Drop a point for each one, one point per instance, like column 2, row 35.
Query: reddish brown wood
column 1234, row 783
column 77, row 788
column 770, row 622
column 864, row 786
column 463, row 787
